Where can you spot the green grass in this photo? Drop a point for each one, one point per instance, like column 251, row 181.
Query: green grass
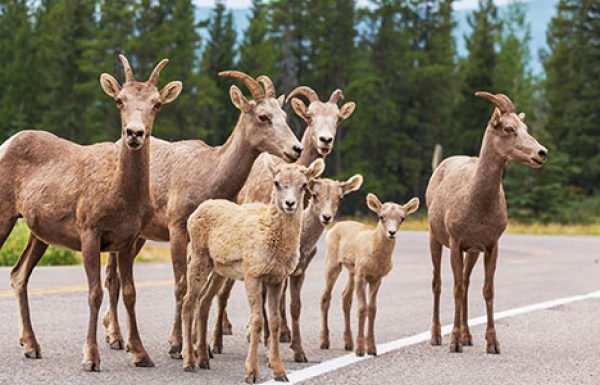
column 14, row 245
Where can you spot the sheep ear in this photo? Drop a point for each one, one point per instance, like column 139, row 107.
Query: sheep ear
column 239, row 100
column 281, row 100
column 495, row 119
column 352, row 184
column 110, row 85
column 347, row 109
column 315, row 169
column 411, row 206
column 300, row 108
column 522, row 116
column 171, row 91
column 373, row 203
column 269, row 164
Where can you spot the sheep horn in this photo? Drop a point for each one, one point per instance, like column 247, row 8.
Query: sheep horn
column 310, row 94
column 504, row 104
column 126, row 69
column 268, row 84
column 156, row 72
column 251, row 84
column 336, row 96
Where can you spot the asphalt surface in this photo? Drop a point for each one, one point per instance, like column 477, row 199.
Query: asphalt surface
column 560, row 345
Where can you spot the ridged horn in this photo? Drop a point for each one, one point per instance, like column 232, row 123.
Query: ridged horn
column 268, row 84
column 126, row 69
column 156, row 71
column 249, row 81
column 336, row 96
column 310, row 94
column 504, row 104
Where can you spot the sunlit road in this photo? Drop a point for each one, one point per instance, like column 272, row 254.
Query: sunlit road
column 560, row 345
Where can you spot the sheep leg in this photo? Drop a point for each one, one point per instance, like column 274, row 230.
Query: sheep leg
column 266, row 331
column 179, row 239
column 198, row 271
column 361, row 298
column 371, row 312
column 491, row 256
column 436, row 287
column 19, row 278
column 466, row 336
column 211, row 289
column 134, row 344
column 274, row 302
column 285, row 334
column 221, row 322
column 255, row 302
column 347, row 306
column 332, row 273
column 295, row 307
column 90, row 251
column 456, row 262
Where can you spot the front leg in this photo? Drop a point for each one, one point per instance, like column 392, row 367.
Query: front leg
column 295, row 307
column 372, row 311
column 90, row 251
column 456, row 262
column 491, row 256
column 274, row 301
column 285, row 335
column 361, row 298
column 178, row 238
column 112, row 330
column 255, row 302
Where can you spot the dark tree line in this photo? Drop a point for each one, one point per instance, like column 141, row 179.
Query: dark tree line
column 396, row 58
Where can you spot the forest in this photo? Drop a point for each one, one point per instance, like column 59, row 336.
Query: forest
column 397, row 59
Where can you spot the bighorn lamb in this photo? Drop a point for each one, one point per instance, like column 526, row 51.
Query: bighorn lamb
column 366, row 253
column 326, row 197
column 467, row 213
column 89, row 198
column 263, row 251
column 186, row 173
column 322, row 119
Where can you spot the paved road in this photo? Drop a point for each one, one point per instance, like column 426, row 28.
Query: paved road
column 554, row 346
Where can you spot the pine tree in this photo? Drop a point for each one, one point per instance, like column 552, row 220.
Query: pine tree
column 258, row 53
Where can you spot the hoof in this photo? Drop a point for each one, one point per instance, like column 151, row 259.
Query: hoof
column 90, row 367
column 175, row 352
column 250, row 379
column 145, row 362
column 227, row 330
column 493, row 349
column 456, row 348
column 33, row 353
column 204, row 365
column 373, row 353
column 210, row 353
column 282, row 378
column 360, row 354
column 436, row 340
column 116, row 344
column 300, row 357
column 324, row 345
column 467, row 341
column 189, row 368
column 217, row 349
column 284, row 337
column 349, row 347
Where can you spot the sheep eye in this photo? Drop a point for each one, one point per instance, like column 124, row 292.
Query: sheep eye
column 119, row 103
column 381, row 217
column 509, row 130
column 263, row 118
column 277, row 184
column 157, row 106
column 304, row 186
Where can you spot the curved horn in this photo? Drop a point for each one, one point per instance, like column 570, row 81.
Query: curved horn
column 336, row 96
column 268, row 84
column 310, row 94
column 126, row 69
column 501, row 101
column 251, row 84
column 156, row 72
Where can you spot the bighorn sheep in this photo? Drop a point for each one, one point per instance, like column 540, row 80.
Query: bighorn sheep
column 467, row 213
column 326, row 197
column 89, row 198
column 367, row 254
column 322, row 119
column 186, row 173
column 263, row 251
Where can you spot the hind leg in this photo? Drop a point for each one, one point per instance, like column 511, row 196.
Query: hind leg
column 470, row 261
column 220, row 323
column 332, row 273
column 19, row 277
column 436, row 287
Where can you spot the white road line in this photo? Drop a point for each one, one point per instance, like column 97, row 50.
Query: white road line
column 349, row 359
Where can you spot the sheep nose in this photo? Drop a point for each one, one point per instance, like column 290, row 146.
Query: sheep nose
column 290, row 204
column 326, row 218
column 391, row 233
column 134, row 132
column 326, row 139
column 543, row 153
column 297, row 149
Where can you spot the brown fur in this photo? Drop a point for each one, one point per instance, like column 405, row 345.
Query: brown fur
column 256, row 244
column 366, row 253
column 186, row 173
column 89, row 198
column 467, row 213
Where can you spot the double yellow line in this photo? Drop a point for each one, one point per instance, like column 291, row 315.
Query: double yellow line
column 80, row 288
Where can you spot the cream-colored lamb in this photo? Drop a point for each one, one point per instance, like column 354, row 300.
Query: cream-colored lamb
column 367, row 254
column 259, row 245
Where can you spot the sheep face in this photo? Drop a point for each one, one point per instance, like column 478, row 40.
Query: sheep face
column 391, row 215
column 290, row 181
column 327, row 195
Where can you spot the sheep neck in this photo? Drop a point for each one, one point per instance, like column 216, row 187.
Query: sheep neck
column 382, row 245
column 132, row 175
column 312, row 228
column 284, row 231
column 487, row 179
column 309, row 153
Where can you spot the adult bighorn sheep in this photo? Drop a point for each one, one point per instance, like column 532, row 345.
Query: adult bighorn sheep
column 89, row 198
column 322, row 119
column 467, row 213
column 208, row 173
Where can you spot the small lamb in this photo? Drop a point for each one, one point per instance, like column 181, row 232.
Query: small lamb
column 367, row 254
column 259, row 245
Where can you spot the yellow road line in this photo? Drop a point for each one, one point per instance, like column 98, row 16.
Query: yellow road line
column 80, row 288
